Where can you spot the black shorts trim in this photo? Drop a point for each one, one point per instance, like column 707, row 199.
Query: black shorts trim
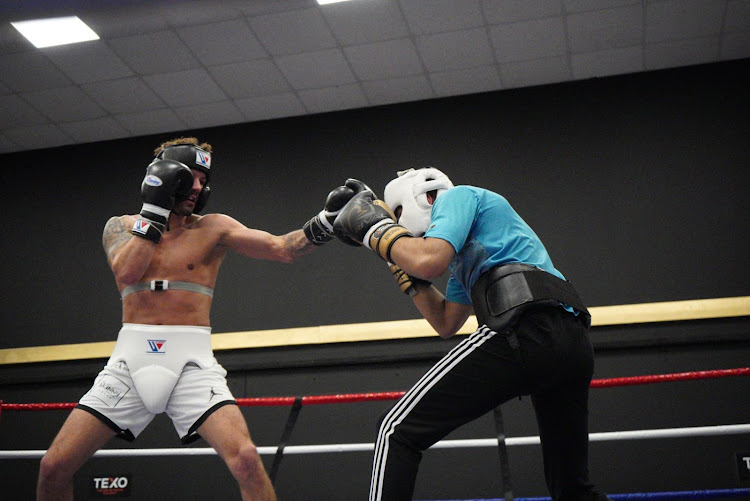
column 192, row 436
column 121, row 434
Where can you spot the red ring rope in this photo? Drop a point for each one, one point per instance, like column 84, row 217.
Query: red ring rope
column 394, row 395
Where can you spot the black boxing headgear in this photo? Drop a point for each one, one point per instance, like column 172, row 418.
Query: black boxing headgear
column 195, row 158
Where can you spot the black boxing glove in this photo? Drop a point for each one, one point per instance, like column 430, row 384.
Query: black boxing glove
column 369, row 222
column 319, row 229
column 358, row 187
column 165, row 181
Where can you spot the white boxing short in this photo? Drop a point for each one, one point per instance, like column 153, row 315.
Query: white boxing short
column 155, row 369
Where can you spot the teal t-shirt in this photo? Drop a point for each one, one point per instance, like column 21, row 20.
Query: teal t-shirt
column 485, row 231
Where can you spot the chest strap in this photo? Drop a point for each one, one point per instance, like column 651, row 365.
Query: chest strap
column 502, row 293
column 163, row 285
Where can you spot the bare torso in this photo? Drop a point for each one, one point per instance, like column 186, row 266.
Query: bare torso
column 189, row 253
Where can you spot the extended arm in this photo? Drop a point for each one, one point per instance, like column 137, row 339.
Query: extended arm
column 259, row 244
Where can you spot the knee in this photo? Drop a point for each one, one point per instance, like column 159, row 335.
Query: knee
column 53, row 470
column 246, row 463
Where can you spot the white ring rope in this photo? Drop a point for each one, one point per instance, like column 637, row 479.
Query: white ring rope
column 732, row 429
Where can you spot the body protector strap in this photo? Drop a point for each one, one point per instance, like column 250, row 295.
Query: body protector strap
column 195, row 158
column 163, row 285
column 504, row 292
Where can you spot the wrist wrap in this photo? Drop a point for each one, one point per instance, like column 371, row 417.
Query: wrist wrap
column 383, row 236
column 150, row 230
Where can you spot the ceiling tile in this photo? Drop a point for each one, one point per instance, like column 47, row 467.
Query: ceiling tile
column 468, row 81
column 253, row 78
column 333, row 98
column 436, row 16
column 605, row 29
column 185, row 87
column 189, row 12
column 262, row 7
column 681, row 19
column 314, row 70
column 124, row 95
column 166, row 52
column 88, row 62
column 584, row 5
column 455, row 50
column 222, row 43
column 607, row 62
column 529, row 40
column 536, row 72
column 67, row 104
column 37, row 137
column 99, row 129
column 7, row 146
column 365, row 22
column 398, row 90
column 378, row 61
column 110, row 20
column 11, row 41
column 293, row 32
column 511, row 11
column 210, row 114
column 15, row 112
column 30, row 71
column 265, row 59
column 265, row 107
column 680, row 53
column 154, row 121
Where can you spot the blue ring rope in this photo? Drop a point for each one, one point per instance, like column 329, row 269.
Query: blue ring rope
column 652, row 496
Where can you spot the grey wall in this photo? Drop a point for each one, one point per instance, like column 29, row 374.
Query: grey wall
column 637, row 184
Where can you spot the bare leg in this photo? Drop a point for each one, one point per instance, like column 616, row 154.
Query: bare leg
column 226, row 431
column 79, row 438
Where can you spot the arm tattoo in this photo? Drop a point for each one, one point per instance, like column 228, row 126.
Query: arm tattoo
column 115, row 235
column 298, row 244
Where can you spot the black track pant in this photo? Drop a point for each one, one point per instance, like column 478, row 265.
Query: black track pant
column 554, row 364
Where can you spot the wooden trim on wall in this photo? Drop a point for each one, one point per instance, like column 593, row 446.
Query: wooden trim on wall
column 669, row 311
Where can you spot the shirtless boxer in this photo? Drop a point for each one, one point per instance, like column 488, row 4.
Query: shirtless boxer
column 165, row 261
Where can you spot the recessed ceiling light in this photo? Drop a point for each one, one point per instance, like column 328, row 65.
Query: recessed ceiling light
column 55, row 31
column 326, row 2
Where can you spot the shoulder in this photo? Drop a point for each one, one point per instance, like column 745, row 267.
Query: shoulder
column 116, row 223
column 214, row 220
column 458, row 195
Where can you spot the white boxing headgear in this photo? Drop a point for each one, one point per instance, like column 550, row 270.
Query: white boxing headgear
column 409, row 191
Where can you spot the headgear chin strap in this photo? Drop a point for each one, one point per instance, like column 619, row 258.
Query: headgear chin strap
column 409, row 191
column 195, row 158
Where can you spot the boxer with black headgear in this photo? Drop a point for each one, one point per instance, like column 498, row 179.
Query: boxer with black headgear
column 533, row 327
column 165, row 262
column 194, row 157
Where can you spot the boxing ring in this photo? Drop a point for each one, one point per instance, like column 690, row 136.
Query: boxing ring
column 500, row 442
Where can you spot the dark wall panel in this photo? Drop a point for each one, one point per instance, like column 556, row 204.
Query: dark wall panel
column 637, row 184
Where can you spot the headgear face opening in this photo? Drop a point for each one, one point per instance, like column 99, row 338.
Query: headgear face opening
column 409, row 191
column 195, row 158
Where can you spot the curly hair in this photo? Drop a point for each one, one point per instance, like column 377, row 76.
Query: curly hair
column 182, row 140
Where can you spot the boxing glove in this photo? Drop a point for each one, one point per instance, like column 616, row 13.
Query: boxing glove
column 319, row 229
column 165, row 181
column 369, row 222
column 406, row 282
